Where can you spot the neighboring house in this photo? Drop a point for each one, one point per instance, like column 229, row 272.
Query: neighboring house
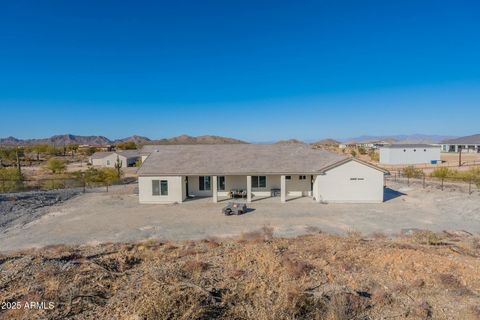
column 173, row 173
column 128, row 158
column 467, row 144
column 409, row 154
column 146, row 150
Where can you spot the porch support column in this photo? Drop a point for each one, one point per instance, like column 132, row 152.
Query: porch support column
column 283, row 189
column 215, row 189
column 249, row 189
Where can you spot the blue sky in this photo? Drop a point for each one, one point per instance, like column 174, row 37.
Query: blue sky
column 255, row 70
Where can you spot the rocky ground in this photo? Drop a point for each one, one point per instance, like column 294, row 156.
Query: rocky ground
column 23, row 207
column 254, row 276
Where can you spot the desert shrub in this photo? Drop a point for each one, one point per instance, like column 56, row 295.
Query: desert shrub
column 353, row 153
column 10, row 179
column 427, row 237
column 296, row 268
column 56, row 165
column 412, row 172
column 362, row 150
column 374, row 156
column 442, row 173
column 195, row 266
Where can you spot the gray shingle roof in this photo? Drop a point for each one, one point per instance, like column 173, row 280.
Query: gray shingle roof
column 239, row 159
column 473, row 139
column 101, row 154
column 410, row 145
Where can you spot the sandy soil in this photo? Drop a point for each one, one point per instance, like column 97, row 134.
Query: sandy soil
column 117, row 216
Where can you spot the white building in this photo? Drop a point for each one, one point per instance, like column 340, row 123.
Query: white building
column 128, row 158
column 470, row 144
column 409, row 154
column 173, row 173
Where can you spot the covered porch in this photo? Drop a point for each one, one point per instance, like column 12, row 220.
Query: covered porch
column 250, row 188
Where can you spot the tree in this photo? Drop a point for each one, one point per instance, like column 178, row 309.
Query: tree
column 127, row 145
column 73, row 148
column 412, row 172
column 362, row 150
column 353, row 153
column 56, row 165
column 38, row 149
column 441, row 173
column 374, row 156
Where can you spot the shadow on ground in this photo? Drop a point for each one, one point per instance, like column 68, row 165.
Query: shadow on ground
column 389, row 194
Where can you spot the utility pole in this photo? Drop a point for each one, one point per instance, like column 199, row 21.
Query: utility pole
column 459, row 156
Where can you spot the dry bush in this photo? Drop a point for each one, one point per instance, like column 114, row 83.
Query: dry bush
column 195, row 266
column 353, row 234
column 296, row 268
column 378, row 236
column 382, row 297
column 427, row 237
column 343, row 306
column 422, row 310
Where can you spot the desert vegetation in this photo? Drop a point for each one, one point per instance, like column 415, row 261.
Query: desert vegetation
column 254, row 276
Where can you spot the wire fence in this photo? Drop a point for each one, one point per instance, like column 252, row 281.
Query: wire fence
column 11, row 186
column 448, row 183
column 449, row 164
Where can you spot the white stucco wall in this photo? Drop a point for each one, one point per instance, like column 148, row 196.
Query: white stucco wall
column 409, row 155
column 176, row 190
column 337, row 184
column 110, row 160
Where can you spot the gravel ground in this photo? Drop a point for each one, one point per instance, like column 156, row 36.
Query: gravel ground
column 117, row 216
column 20, row 208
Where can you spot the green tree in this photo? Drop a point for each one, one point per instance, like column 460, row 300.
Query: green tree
column 127, row 145
column 374, row 156
column 56, row 165
column 353, row 153
column 73, row 148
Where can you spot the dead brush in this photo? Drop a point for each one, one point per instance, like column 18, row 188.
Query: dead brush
column 295, row 268
column 195, row 266
column 427, row 237
column 343, row 306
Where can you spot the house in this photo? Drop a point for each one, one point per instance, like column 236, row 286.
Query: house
column 466, row 144
column 409, row 154
column 128, row 158
column 173, row 173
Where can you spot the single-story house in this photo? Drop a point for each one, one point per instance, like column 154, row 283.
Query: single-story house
column 128, row 158
column 409, row 154
column 469, row 144
column 174, row 173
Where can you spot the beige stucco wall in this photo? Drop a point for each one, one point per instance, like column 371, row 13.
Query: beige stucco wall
column 176, row 190
column 110, row 160
column 336, row 185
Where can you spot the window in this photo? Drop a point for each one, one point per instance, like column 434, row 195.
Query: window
column 221, row 183
column 159, row 187
column 164, row 187
column 259, row 181
column 288, row 177
column 204, row 183
column 155, row 187
column 108, row 162
column 302, row 177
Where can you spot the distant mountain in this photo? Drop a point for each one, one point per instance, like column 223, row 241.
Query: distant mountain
column 58, row 140
column 100, row 140
column 402, row 138
column 327, row 142
column 185, row 139
column 290, row 141
column 138, row 140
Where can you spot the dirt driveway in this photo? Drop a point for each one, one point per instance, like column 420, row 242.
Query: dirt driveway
column 117, row 216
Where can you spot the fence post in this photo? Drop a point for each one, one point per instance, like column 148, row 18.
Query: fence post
column 442, row 183
column 470, row 186
column 424, row 180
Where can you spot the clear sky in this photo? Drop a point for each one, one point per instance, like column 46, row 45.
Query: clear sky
column 254, row 70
